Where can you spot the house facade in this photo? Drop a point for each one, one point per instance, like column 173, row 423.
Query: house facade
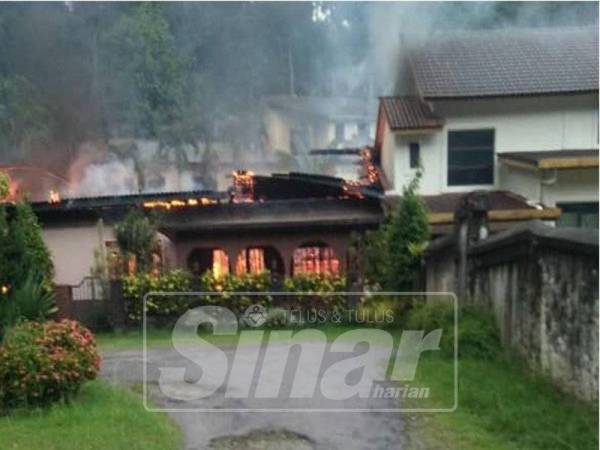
column 500, row 112
column 287, row 224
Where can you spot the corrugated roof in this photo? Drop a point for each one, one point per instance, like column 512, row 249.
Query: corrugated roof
column 508, row 62
column 447, row 203
column 498, row 200
column 405, row 113
column 537, row 158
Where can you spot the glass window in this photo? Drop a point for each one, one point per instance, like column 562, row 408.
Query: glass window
column 470, row 157
column 315, row 259
column 415, row 154
column 583, row 215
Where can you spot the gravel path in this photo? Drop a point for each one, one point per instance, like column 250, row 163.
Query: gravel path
column 264, row 430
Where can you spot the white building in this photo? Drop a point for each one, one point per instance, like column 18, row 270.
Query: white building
column 294, row 126
column 503, row 111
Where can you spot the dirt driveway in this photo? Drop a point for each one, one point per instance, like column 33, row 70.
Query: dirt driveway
column 263, row 430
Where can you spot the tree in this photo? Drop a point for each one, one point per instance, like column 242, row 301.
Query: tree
column 136, row 236
column 4, row 186
column 31, row 253
column 24, row 121
column 390, row 255
column 407, row 235
column 23, row 252
column 142, row 72
column 5, row 280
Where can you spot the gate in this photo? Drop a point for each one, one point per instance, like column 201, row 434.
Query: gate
column 85, row 302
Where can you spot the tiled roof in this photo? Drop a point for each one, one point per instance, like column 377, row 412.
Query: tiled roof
column 405, row 113
column 509, row 62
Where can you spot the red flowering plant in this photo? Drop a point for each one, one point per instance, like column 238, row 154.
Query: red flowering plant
column 41, row 363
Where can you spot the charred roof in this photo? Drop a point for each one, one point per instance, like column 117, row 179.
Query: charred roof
column 274, row 194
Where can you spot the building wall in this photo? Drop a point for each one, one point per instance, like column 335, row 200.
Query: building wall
column 278, row 131
column 72, row 249
column 551, row 187
column 520, row 124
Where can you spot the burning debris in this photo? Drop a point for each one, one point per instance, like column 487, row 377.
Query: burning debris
column 369, row 176
column 178, row 203
column 370, row 170
column 53, row 196
column 243, row 186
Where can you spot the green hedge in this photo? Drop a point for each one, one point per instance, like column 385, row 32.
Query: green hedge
column 236, row 293
column 135, row 287
column 478, row 335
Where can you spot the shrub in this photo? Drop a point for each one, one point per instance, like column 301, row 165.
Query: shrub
column 382, row 311
column 22, row 247
column 31, row 301
column 135, row 287
column 234, row 293
column 249, row 282
column 4, row 186
column 478, row 336
column 407, row 235
column 390, row 255
column 136, row 236
column 41, row 363
column 320, row 292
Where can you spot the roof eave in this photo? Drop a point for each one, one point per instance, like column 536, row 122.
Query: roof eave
column 504, row 95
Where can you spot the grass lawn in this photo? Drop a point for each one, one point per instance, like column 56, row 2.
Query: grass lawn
column 157, row 338
column 500, row 406
column 101, row 417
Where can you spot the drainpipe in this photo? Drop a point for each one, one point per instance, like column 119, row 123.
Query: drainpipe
column 547, row 182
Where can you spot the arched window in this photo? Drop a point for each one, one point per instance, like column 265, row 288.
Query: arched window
column 315, row 257
column 259, row 259
column 202, row 260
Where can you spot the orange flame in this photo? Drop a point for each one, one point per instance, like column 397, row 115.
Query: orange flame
column 243, row 186
column 53, row 196
column 179, row 203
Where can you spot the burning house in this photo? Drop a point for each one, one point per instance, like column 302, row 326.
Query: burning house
column 286, row 223
column 513, row 112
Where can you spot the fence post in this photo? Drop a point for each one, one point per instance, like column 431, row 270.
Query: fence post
column 116, row 305
column 63, row 296
column 470, row 226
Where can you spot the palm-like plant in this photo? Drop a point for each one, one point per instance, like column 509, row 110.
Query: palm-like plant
column 33, row 300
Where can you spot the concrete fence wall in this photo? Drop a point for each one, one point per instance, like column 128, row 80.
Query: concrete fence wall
column 542, row 285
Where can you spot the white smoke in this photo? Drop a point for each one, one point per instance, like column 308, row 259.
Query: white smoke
column 115, row 177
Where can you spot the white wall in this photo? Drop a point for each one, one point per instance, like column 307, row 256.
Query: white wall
column 520, row 124
column 72, row 250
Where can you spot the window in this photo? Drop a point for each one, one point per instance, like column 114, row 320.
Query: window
column 470, row 157
column 202, row 260
column 258, row 260
column 315, row 258
column 582, row 215
column 415, row 154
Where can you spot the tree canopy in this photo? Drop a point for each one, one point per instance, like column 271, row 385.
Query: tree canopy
column 73, row 72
